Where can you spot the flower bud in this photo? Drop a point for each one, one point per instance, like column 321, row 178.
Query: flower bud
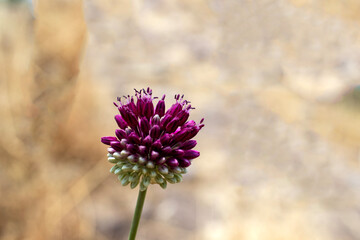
column 184, row 162
column 111, row 150
column 142, row 160
column 155, row 131
column 132, row 158
column 124, row 153
column 167, row 150
column 161, row 160
column 117, row 155
column 189, row 144
column 120, row 134
column 191, row 154
column 112, row 170
column 144, row 126
column 149, row 109
column 150, row 165
column 142, row 150
column 163, row 185
column 172, row 125
column 178, row 153
column 159, row 179
column 163, row 169
column 154, row 155
column 174, row 109
column 147, row 141
column 108, row 140
column 153, row 174
column 117, row 171
column 157, row 145
column 134, row 138
column 165, row 120
column 146, row 181
column 172, row 162
column 120, row 122
column 160, row 107
column 165, row 139
column 112, row 160
column 155, row 120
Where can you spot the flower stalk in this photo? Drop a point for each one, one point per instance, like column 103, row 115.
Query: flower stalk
column 137, row 214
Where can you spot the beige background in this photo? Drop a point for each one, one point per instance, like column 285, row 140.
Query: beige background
column 274, row 81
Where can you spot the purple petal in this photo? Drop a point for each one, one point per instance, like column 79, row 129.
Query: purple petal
column 154, row 155
column 174, row 109
column 144, row 126
column 107, row 140
column 147, row 141
column 120, row 134
column 172, row 162
column 155, row 131
column 191, row 154
column 149, row 109
column 165, row 120
column 172, row 125
column 189, row 144
column 178, row 153
column 165, row 139
column 167, row 150
column 116, row 145
column 120, row 122
column 134, row 138
column 184, row 162
column 160, row 107
column 157, row 145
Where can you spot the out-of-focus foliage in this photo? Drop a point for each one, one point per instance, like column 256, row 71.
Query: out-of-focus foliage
column 275, row 79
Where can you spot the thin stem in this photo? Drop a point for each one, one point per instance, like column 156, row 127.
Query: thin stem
column 137, row 214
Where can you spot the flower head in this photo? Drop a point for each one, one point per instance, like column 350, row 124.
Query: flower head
column 152, row 145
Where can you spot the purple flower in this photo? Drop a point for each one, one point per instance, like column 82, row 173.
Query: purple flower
column 152, row 145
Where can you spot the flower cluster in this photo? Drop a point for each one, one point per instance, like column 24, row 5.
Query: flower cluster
column 151, row 145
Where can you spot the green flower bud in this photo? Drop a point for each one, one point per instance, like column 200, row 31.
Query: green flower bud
column 112, row 160
column 131, row 158
column 120, row 164
column 124, row 154
column 127, row 167
column 153, row 174
column 142, row 160
column 134, row 184
column 134, row 177
column 150, row 165
column 136, row 168
column 163, row 184
column 125, row 181
column 144, row 170
column 117, row 155
column 170, row 175
column 142, row 187
column 159, row 179
column 118, row 171
column 178, row 177
column 163, row 169
column 146, row 180
column 171, row 180
column 112, row 170
column 122, row 175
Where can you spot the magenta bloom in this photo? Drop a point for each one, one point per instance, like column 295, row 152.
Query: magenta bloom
column 150, row 143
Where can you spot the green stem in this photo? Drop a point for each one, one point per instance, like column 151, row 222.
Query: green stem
column 137, row 214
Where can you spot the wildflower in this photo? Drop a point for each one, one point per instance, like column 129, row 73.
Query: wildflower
column 152, row 145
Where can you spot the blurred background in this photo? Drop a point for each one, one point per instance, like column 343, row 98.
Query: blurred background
column 277, row 82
